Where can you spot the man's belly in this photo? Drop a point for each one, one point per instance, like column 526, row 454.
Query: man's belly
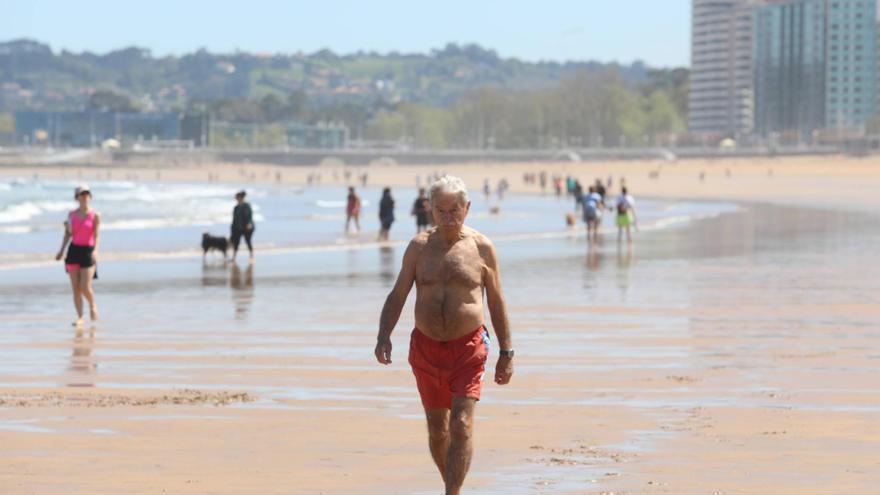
column 448, row 318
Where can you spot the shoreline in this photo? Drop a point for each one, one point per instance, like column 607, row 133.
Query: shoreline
column 367, row 244
column 794, row 181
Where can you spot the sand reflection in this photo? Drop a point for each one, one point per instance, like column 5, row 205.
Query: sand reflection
column 625, row 259
column 242, row 285
column 386, row 265
column 82, row 363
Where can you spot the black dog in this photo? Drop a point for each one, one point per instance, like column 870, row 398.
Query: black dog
column 210, row 242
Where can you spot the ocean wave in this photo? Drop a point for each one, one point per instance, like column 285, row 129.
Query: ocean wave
column 158, row 223
column 17, row 229
column 19, row 212
column 22, row 212
column 156, row 195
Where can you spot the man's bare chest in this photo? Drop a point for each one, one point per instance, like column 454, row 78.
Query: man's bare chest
column 460, row 266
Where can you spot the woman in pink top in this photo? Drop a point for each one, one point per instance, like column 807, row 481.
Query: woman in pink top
column 81, row 230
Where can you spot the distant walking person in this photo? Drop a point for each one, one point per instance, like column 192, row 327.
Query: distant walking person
column 503, row 186
column 626, row 215
column 81, row 230
column 242, row 225
column 352, row 210
column 386, row 213
column 593, row 206
column 578, row 193
column 600, row 189
column 420, row 211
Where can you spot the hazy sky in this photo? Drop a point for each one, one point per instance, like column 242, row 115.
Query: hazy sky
column 655, row 31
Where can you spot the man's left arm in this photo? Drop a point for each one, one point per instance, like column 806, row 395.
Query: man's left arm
column 497, row 311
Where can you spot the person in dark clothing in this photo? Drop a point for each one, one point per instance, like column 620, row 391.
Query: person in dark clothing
column 420, row 211
column 578, row 193
column 242, row 225
column 386, row 213
column 600, row 189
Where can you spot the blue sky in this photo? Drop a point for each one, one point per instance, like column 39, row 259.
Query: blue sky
column 655, row 31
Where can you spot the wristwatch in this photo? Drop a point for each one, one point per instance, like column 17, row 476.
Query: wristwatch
column 508, row 353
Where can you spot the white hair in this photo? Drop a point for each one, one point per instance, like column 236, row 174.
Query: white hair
column 449, row 184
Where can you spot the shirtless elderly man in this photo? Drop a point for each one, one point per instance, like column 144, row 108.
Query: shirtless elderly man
column 451, row 266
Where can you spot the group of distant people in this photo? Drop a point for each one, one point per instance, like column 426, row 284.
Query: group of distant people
column 420, row 210
column 500, row 189
column 592, row 204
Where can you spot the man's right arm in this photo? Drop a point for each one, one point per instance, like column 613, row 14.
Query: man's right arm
column 395, row 301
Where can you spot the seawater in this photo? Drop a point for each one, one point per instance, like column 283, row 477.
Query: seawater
column 156, row 219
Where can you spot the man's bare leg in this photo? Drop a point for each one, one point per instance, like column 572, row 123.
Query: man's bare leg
column 438, row 437
column 461, row 446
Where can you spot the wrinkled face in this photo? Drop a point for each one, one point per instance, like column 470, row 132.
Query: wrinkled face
column 449, row 212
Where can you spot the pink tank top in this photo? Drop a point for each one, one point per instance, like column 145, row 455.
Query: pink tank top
column 82, row 229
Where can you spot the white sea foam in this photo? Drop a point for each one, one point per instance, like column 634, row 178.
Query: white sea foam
column 158, row 223
column 51, row 206
column 17, row 229
column 155, row 195
column 25, row 211
column 20, row 212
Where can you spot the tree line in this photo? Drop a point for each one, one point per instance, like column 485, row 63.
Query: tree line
column 586, row 109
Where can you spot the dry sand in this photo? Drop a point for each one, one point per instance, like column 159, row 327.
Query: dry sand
column 552, row 430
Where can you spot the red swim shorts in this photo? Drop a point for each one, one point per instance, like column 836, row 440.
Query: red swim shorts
column 450, row 369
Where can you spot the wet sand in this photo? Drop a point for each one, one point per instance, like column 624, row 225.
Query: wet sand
column 736, row 356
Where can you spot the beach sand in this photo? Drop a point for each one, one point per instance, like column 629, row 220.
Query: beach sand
column 734, row 357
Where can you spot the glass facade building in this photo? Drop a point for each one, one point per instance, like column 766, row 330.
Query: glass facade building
column 790, row 67
column 852, row 63
column 815, row 65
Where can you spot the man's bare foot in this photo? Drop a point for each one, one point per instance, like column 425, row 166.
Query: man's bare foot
column 79, row 322
column 93, row 312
